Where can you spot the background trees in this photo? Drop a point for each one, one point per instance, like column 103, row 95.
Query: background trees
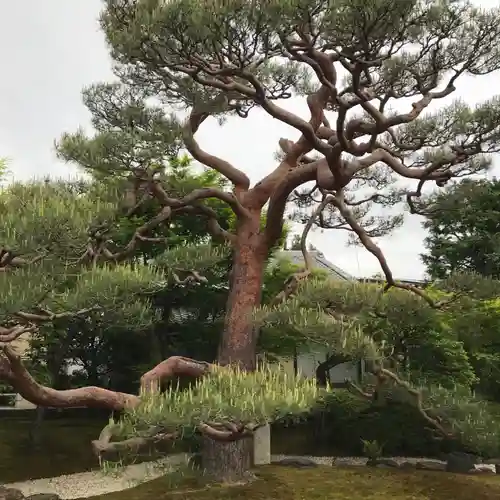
column 463, row 222
column 107, row 354
column 117, row 359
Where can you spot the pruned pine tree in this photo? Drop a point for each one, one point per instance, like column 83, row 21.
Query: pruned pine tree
column 351, row 61
column 53, row 271
column 355, row 321
column 53, row 274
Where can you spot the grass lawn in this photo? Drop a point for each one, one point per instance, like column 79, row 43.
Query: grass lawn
column 324, row 483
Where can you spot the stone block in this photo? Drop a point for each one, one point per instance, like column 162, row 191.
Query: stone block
column 262, row 445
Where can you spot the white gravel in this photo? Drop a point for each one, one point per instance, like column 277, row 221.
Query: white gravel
column 355, row 461
column 87, row 484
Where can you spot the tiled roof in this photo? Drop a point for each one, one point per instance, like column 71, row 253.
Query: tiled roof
column 319, row 262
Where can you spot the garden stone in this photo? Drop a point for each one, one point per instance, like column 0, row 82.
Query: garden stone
column 384, row 462
column 485, row 468
column 262, row 445
column 430, row 465
column 296, row 462
column 461, row 463
column 495, row 462
column 407, row 465
column 10, row 494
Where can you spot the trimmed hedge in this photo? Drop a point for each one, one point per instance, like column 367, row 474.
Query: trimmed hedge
column 344, row 419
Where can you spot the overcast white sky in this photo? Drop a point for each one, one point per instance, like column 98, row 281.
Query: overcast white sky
column 51, row 49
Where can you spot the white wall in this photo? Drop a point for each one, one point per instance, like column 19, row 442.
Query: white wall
column 308, row 362
column 345, row 371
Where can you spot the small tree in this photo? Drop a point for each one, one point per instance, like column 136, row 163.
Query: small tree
column 351, row 59
column 421, row 341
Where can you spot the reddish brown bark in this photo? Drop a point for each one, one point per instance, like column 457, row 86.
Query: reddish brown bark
column 239, row 339
column 231, row 462
column 331, row 174
column 227, row 462
column 238, row 343
column 13, row 370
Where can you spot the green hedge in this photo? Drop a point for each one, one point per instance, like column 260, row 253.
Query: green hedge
column 7, row 399
column 343, row 420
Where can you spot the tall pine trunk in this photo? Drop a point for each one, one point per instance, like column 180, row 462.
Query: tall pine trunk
column 231, row 462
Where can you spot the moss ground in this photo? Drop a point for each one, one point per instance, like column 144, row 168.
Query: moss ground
column 324, row 483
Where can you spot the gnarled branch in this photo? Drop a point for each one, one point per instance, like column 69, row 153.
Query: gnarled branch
column 13, row 371
column 192, row 202
column 374, row 249
column 383, row 377
column 293, row 281
column 9, row 260
column 10, row 334
column 45, row 315
column 236, row 176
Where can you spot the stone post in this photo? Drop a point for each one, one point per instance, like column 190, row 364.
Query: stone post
column 262, row 445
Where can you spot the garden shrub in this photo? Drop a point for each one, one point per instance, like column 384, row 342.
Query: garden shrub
column 346, row 421
column 340, row 423
column 7, row 399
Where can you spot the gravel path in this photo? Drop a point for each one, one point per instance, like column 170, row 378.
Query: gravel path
column 87, row 484
column 356, row 461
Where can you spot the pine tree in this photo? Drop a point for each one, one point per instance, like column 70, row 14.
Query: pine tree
column 462, row 223
column 349, row 60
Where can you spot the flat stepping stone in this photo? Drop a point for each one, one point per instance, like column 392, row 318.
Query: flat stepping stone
column 296, row 462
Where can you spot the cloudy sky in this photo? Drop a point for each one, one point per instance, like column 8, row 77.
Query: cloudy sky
column 51, row 49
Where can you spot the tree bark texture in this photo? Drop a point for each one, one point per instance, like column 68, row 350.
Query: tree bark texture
column 230, row 462
column 239, row 339
column 227, row 462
